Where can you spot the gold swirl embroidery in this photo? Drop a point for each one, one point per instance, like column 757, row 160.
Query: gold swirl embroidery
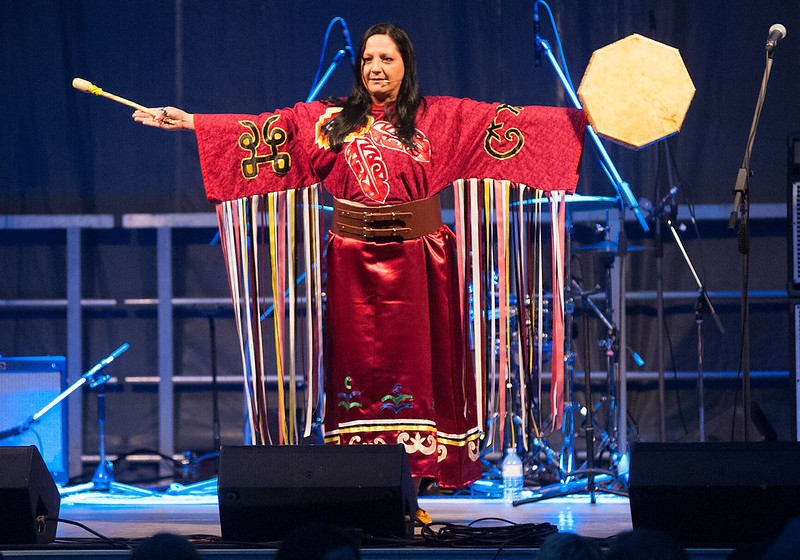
column 417, row 443
column 356, row 440
column 472, row 451
column 493, row 139
column 273, row 137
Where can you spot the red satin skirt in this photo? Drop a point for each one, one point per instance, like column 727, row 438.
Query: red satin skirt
column 397, row 367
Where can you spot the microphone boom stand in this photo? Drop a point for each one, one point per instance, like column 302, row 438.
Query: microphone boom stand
column 337, row 60
column 103, row 478
column 89, row 376
column 627, row 200
column 703, row 302
column 741, row 208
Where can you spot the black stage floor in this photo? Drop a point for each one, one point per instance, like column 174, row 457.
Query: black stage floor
column 119, row 516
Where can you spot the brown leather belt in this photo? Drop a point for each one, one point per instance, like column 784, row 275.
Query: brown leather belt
column 392, row 222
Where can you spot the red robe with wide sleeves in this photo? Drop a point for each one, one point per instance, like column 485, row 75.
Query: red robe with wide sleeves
column 397, row 369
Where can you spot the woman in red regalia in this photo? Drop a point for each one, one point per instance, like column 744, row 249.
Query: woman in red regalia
column 397, row 358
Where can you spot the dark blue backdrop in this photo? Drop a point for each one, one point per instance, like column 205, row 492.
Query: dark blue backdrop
column 64, row 151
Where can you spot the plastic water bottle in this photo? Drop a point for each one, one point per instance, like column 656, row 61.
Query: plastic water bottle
column 512, row 476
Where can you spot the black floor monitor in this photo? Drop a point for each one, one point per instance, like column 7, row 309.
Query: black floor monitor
column 266, row 491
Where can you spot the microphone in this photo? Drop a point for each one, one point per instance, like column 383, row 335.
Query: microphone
column 776, row 33
column 537, row 54
column 349, row 43
column 658, row 208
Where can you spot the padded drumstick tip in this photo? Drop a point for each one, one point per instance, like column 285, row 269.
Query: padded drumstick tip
column 81, row 84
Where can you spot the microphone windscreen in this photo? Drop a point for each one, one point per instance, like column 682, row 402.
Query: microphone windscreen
column 780, row 29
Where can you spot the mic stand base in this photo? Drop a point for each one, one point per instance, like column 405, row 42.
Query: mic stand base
column 569, row 487
column 103, row 478
column 111, row 488
column 103, row 481
column 579, row 486
column 203, row 487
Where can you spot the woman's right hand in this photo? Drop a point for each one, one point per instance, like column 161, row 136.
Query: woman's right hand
column 168, row 118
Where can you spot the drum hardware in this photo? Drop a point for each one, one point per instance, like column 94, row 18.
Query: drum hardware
column 569, row 483
column 610, row 247
column 579, row 202
column 540, row 459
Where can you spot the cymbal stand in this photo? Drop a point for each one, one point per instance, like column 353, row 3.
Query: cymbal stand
column 540, row 457
column 627, row 200
column 610, row 349
column 567, row 456
column 590, row 470
column 659, row 240
column 209, row 485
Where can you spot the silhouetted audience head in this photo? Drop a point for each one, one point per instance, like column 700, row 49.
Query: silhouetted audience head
column 165, row 546
column 645, row 544
column 786, row 545
column 569, row 546
column 318, row 542
column 750, row 551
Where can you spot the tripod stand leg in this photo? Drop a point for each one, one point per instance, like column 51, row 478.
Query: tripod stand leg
column 103, row 477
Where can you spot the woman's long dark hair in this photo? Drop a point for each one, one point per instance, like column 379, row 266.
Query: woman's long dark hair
column 402, row 113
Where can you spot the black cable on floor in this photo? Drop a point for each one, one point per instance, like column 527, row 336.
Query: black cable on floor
column 92, row 531
column 470, row 536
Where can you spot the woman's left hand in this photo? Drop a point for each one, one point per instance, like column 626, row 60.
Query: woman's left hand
column 168, row 118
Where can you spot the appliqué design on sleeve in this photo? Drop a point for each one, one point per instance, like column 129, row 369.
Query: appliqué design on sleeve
column 503, row 141
column 273, row 137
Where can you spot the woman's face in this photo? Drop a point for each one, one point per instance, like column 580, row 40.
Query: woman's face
column 382, row 69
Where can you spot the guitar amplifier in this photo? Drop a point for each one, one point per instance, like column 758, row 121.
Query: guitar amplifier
column 27, row 385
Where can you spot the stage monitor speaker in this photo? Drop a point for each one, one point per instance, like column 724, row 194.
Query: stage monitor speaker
column 27, row 385
column 715, row 494
column 266, row 491
column 28, row 497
